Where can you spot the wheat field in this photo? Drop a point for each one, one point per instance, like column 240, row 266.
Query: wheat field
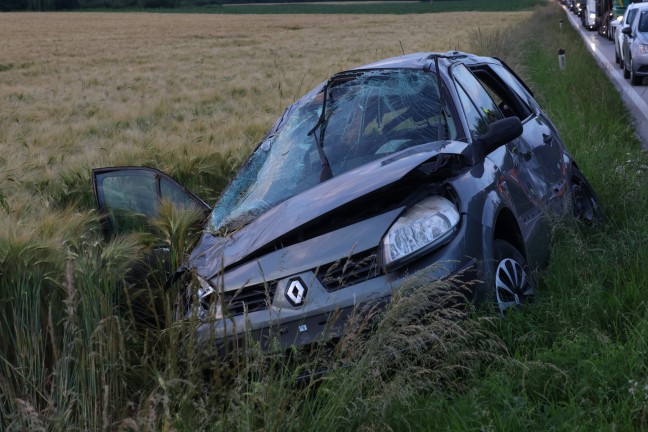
column 81, row 90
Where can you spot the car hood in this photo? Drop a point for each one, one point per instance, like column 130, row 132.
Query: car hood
column 214, row 254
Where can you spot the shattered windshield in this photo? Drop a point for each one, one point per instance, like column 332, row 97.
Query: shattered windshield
column 356, row 118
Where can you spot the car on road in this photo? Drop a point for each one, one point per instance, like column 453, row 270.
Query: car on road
column 589, row 15
column 441, row 163
column 626, row 21
column 635, row 48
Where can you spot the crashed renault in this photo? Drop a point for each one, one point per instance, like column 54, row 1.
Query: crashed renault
column 441, row 162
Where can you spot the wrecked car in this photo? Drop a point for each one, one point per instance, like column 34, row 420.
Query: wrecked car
column 441, row 162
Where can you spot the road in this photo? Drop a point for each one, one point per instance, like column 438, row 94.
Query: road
column 635, row 98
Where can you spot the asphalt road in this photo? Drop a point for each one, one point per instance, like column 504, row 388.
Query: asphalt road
column 635, row 98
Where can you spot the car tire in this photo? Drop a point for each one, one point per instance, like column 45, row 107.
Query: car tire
column 626, row 72
column 634, row 79
column 513, row 282
column 617, row 59
column 585, row 204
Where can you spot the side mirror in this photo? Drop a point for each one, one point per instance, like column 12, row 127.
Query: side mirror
column 499, row 133
column 626, row 31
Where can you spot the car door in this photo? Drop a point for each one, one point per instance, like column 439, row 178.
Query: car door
column 523, row 174
column 540, row 152
column 480, row 110
column 131, row 197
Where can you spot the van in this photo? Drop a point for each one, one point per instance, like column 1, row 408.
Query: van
column 589, row 16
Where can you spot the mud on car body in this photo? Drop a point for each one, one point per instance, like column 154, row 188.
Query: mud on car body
column 428, row 161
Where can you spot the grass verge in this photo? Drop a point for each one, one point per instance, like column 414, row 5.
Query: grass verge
column 578, row 355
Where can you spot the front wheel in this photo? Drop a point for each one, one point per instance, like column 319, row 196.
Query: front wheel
column 585, row 205
column 514, row 282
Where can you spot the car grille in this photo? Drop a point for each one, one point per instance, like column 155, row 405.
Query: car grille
column 349, row 271
column 253, row 298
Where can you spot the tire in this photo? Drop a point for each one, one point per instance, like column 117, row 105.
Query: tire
column 626, row 72
column 513, row 282
column 617, row 59
column 634, row 79
column 585, row 204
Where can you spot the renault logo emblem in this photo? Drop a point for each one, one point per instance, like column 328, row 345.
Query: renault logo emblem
column 296, row 292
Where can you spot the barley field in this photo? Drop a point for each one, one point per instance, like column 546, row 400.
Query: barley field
column 190, row 95
column 81, row 90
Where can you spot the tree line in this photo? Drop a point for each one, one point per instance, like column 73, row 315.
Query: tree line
column 52, row 5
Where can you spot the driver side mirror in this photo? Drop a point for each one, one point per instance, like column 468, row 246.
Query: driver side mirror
column 499, row 133
column 626, row 31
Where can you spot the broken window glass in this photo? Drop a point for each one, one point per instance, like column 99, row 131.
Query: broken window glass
column 356, row 118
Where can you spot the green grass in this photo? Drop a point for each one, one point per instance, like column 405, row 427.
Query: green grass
column 578, row 355
column 436, row 6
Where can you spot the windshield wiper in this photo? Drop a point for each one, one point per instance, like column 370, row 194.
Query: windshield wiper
column 326, row 172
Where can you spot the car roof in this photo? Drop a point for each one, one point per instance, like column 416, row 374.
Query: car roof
column 422, row 60
column 637, row 6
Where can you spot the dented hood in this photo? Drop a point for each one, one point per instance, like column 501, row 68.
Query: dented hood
column 214, row 254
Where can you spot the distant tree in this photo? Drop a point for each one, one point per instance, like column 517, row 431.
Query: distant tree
column 65, row 4
column 11, row 5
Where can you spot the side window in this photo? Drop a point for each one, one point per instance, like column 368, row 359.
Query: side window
column 643, row 22
column 476, row 122
column 479, row 107
column 505, row 89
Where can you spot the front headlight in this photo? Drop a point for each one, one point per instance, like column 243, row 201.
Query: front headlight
column 426, row 226
column 592, row 16
column 208, row 304
column 619, row 18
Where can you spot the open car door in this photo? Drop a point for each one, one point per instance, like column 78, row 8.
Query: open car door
column 131, row 196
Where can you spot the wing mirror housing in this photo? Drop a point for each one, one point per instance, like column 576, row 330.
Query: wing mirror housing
column 498, row 133
column 626, row 31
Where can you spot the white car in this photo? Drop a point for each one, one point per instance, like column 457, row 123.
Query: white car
column 635, row 48
column 626, row 21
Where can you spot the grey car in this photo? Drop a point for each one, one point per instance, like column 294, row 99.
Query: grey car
column 635, row 48
column 436, row 162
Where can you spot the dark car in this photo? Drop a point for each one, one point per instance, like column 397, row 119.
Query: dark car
column 431, row 162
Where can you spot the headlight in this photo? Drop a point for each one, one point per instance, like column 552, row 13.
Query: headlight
column 592, row 16
column 620, row 18
column 427, row 225
column 208, row 305
column 643, row 49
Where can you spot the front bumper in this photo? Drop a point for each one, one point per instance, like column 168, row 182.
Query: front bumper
column 324, row 312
